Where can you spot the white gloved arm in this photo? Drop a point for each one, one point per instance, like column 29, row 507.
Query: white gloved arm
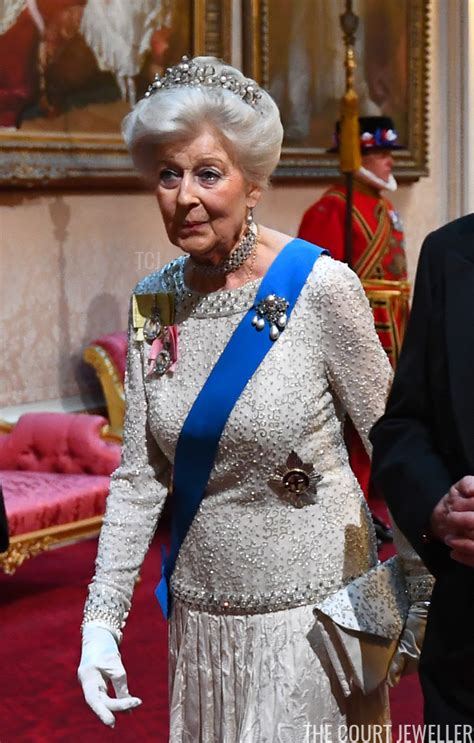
column 101, row 663
column 406, row 656
column 419, row 585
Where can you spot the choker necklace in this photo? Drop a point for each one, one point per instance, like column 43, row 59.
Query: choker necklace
column 236, row 259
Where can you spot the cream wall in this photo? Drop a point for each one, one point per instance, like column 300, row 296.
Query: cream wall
column 69, row 261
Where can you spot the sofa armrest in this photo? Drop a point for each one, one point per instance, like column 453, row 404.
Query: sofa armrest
column 107, row 355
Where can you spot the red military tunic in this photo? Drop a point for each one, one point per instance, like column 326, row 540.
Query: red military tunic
column 378, row 253
column 378, row 257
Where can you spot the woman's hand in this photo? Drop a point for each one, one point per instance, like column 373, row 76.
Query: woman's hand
column 100, row 663
column 406, row 656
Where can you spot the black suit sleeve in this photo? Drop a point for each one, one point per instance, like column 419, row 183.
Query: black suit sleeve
column 4, row 541
column 406, row 466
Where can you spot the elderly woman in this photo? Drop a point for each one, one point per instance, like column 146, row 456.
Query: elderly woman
column 244, row 356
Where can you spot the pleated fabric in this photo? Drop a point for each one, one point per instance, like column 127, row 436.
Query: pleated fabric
column 259, row 678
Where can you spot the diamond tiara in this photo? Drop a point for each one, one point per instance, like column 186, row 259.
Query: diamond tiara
column 189, row 73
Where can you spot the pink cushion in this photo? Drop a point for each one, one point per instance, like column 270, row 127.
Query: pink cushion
column 59, row 442
column 116, row 346
column 37, row 500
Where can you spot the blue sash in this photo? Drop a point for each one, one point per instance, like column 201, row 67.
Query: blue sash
column 199, row 438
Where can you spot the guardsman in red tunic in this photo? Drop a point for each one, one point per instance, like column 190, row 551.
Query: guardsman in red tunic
column 378, row 253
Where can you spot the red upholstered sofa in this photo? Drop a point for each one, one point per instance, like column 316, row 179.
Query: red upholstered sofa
column 107, row 355
column 54, row 470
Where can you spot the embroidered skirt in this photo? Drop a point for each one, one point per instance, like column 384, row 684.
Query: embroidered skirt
column 262, row 678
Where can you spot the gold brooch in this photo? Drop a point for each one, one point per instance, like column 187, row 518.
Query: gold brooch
column 296, row 481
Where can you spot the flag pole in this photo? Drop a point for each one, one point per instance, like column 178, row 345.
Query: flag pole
column 349, row 142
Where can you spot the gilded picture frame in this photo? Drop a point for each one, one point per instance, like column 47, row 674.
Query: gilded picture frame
column 294, row 48
column 81, row 147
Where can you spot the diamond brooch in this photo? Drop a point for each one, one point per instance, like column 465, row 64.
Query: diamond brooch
column 273, row 310
column 296, row 481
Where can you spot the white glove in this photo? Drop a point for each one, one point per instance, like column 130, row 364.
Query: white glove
column 100, row 663
column 406, row 656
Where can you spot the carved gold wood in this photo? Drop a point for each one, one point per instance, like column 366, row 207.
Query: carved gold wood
column 112, row 386
column 36, row 159
column 24, row 546
column 349, row 22
column 314, row 163
column 212, row 28
column 109, row 435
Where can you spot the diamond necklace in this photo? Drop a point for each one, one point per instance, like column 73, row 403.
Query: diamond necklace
column 235, row 260
column 251, row 267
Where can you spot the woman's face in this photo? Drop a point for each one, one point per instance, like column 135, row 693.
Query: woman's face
column 203, row 196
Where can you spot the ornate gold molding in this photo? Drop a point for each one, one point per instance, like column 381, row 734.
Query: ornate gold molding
column 21, row 551
column 310, row 162
column 212, row 28
column 83, row 160
column 112, row 387
column 24, row 546
column 5, row 426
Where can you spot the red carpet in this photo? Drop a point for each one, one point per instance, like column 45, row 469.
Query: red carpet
column 40, row 614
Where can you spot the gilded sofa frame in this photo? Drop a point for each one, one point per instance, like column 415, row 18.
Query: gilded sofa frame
column 112, row 387
column 29, row 544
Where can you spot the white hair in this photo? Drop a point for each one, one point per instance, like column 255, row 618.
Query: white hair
column 253, row 134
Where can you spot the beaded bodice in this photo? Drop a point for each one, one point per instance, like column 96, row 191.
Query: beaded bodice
column 255, row 545
column 216, row 304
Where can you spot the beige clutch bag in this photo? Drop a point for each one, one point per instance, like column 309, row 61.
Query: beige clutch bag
column 361, row 625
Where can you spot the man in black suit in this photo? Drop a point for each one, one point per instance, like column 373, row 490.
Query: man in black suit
column 423, row 463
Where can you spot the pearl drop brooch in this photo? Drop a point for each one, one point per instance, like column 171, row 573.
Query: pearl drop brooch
column 273, row 310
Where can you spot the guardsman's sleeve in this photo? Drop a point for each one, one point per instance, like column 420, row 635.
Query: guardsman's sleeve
column 323, row 224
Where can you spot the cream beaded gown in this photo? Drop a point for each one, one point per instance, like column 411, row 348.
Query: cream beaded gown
column 246, row 661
